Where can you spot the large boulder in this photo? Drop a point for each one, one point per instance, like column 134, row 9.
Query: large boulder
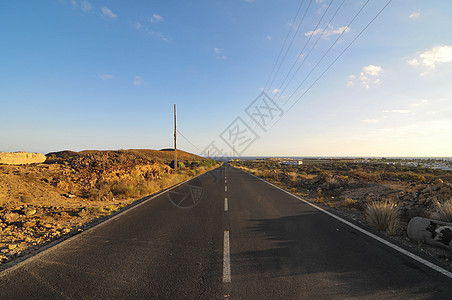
column 21, row 158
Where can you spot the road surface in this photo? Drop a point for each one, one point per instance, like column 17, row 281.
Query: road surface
column 225, row 234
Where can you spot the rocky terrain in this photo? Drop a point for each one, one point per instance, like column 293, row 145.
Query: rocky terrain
column 42, row 202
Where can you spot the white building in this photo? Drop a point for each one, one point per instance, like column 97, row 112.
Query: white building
column 292, row 162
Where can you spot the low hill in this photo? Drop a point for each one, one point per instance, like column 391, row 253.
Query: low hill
column 130, row 154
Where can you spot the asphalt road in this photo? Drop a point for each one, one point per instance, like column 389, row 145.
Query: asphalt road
column 193, row 243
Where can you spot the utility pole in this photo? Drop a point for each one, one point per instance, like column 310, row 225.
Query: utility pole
column 175, row 138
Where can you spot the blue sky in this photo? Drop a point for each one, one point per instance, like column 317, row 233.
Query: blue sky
column 105, row 75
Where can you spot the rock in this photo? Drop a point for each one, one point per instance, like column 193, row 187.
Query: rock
column 29, row 211
column 26, row 199
column 82, row 213
column 436, row 188
column 438, row 181
column 21, row 158
column 70, row 195
column 10, row 217
column 9, row 254
column 29, row 224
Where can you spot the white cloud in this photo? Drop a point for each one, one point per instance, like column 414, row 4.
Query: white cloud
column 138, row 80
column 372, row 70
column 369, row 76
column 86, row 6
column 74, row 3
column 106, row 76
column 156, row 34
column 431, row 59
column 414, row 15
column 424, row 101
column 108, row 13
column 275, row 91
column 269, row 37
column 413, row 62
column 351, row 80
column 156, row 18
column 397, row 111
column 219, row 53
column 374, row 121
column 138, row 25
column 329, row 31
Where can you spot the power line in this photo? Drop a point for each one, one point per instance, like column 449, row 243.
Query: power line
column 332, row 45
column 310, row 51
column 284, row 44
column 307, row 42
column 189, row 141
column 299, row 26
column 343, row 51
column 290, row 45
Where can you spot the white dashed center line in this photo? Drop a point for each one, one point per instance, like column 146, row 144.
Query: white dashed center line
column 225, row 204
column 226, row 259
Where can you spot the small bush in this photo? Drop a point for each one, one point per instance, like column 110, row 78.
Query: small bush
column 149, row 187
column 332, row 182
column 349, row 202
column 384, row 216
column 444, row 211
column 410, row 176
column 124, row 188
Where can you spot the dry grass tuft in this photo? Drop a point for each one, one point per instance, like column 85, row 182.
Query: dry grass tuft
column 444, row 211
column 349, row 202
column 383, row 215
column 332, row 182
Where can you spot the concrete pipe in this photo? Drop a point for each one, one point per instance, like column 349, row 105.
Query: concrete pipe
column 433, row 232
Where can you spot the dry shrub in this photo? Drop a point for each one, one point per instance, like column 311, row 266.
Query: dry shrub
column 383, row 215
column 349, row 202
column 332, row 182
column 125, row 188
column 292, row 177
column 444, row 211
column 172, row 179
column 200, row 170
column 363, row 175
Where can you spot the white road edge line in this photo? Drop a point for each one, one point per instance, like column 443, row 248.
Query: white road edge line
column 226, row 259
column 225, row 204
column 387, row 243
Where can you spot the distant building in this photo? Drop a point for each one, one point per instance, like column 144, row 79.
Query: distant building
column 292, row 162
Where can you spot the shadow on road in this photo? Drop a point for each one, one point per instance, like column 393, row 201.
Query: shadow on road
column 314, row 246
